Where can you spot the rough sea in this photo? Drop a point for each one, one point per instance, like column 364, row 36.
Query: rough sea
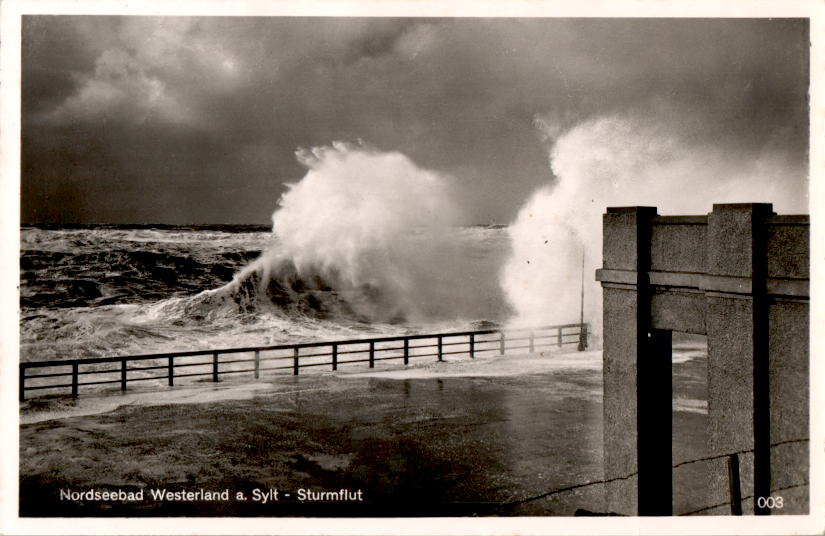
column 111, row 291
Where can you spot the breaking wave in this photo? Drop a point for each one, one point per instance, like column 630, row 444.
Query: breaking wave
column 366, row 243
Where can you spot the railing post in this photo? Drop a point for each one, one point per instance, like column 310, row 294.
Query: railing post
column 734, row 486
column 532, row 342
column 75, row 379
column 501, row 343
column 257, row 364
column 372, row 354
column 295, row 365
column 406, row 351
column 215, row 367
column 122, row 374
column 582, row 337
column 472, row 345
column 559, row 336
column 171, row 370
column 440, row 349
column 334, row 357
column 22, row 382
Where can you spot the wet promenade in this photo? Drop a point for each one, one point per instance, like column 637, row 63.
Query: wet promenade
column 449, row 439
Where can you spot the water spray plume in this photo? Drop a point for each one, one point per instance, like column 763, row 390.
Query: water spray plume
column 626, row 160
column 370, row 225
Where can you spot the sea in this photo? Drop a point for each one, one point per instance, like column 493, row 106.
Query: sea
column 106, row 290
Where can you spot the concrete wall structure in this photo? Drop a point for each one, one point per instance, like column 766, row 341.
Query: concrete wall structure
column 740, row 276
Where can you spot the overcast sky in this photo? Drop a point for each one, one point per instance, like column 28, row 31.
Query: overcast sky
column 196, row 120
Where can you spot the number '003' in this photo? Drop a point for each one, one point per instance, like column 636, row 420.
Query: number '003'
column 770, row 502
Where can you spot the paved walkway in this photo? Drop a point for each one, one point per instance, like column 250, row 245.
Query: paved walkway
column 460, row 438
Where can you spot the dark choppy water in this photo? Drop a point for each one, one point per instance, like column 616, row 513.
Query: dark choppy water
column 114, row 291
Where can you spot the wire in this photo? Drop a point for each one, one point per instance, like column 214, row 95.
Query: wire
column 743, row 498
column 568, row 488
column 680, row 464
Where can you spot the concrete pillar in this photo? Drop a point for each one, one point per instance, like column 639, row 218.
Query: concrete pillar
column 637, row 378
column 737, row 330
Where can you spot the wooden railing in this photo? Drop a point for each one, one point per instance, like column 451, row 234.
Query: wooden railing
column 48, row 377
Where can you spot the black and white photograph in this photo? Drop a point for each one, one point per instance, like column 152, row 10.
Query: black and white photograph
column 498, row 269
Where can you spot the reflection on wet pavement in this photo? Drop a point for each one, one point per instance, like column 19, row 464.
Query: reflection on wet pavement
column 455, row 444
column 438, row 446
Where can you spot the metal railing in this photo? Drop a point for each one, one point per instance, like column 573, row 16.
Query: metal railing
column 58, row 375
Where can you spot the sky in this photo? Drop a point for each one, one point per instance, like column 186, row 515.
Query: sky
column 174, row 120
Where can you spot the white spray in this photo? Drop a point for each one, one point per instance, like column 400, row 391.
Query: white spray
column 365, row 238
column 625, row 160
column 372, row 225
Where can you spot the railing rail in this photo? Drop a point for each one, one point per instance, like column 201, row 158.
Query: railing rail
column 171, row 366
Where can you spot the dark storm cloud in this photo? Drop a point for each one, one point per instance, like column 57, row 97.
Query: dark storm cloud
column 197, row 119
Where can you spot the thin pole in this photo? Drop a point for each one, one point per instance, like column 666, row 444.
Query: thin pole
column 75, row 380
column 734, row 486
column 582, row 332
column 22, row 382
column 295, row 365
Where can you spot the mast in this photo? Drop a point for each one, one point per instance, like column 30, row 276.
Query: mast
column 582, row 328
